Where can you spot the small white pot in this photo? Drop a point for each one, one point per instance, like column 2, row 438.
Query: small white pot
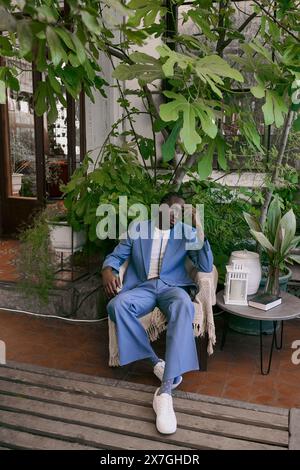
column 61, row 237
column 16, row 183
column 250, row 260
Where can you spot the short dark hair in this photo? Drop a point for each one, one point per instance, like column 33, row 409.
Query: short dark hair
column 169, row 197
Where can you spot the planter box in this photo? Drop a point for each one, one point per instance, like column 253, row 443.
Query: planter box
column 61, row 237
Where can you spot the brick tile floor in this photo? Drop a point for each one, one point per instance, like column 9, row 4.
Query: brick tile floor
column 232, row 373
column 8, row 252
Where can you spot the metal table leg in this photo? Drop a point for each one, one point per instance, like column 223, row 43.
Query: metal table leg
column 274, row 341
column 278, row 347
column 225, row 329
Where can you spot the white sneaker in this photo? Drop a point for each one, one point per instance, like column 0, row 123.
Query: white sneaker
column 166, row 422
column 159, row 369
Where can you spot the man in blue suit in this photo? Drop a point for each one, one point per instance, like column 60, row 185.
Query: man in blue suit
column 156, row 276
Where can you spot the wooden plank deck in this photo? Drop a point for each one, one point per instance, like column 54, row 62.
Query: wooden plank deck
column 43, row 408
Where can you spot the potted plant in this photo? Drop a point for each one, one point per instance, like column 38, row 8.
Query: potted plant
column 278, row 239
column 16, row 177
column 63, row 237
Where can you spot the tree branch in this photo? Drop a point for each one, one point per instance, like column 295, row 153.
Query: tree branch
column 220, row 28
column 182, row 170
column 240, row 29
column 275, row 20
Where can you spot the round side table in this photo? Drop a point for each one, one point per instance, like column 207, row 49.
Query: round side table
column 287, row 310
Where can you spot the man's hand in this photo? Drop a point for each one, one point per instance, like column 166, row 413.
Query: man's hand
column 196, row 223
column 195, row 218
column 111, row 283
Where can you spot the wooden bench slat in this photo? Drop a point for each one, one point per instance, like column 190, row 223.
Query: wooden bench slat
column 24, row 440
column 66, row 374
column 198, row 423
column 127, row 426
column 85, row 435
column 145, row 398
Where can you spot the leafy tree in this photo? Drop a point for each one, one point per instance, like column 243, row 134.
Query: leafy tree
column 200, row 77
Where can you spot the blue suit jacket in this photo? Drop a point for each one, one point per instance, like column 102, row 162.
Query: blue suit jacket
column 173, row 271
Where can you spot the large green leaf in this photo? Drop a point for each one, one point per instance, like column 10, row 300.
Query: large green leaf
column 142, row 58
column 58, row 53
column 48, row 14
column 288, row 224
column 90, row 22
column 258, row 91
column 188, row 133
column 295, row 242
column 274, row 109
column 207, row 118
column 80, row 49
column 214, row 66
column 40, row 97
column 173, row 58
column 273, row 219
column 25, row 37
column 146, row 10
column 252, row 222
column 209, row 69
column 171, row 112
column 169, row 147
column 248, row 129
column 295, row 258
column 146, row 147
column 54, row 82
column 205, row 162
column 260, row 49
column 263, row 241
column 203, row 24
column 66, row 37
column 146, row 69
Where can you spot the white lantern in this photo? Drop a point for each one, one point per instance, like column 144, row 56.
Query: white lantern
column 236, row 285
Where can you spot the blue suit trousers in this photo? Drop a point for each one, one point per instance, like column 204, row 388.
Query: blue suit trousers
column 127, row 307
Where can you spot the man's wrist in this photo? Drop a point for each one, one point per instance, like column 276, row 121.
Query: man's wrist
column 106, row 268
column 110, row 269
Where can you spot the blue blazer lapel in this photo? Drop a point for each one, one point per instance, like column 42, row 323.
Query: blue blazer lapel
column 146, row 247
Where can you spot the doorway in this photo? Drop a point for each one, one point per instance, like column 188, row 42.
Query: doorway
column 35, row 156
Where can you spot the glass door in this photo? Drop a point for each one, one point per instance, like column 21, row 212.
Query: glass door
column 35, row 156
column 21, row 152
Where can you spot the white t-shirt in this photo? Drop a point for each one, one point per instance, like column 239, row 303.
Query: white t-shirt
column 159, row 245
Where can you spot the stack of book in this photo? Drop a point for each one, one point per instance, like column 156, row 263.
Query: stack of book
column 265, row 301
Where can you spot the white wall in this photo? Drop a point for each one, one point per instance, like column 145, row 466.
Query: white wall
column 103, row 113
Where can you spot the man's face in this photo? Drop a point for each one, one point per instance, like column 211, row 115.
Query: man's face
column 173, row 213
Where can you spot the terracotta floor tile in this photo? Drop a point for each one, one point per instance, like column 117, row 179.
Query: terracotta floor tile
column 232, row 373
column 210, row 389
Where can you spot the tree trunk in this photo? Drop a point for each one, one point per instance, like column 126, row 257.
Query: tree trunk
column 182, row 170
column 283, row 142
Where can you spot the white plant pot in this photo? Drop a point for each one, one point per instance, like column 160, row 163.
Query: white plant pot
column 61, row 237
column 16, row 183
column 250, row 260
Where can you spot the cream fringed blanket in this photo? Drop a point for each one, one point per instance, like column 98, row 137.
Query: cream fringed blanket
column 155, row 321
